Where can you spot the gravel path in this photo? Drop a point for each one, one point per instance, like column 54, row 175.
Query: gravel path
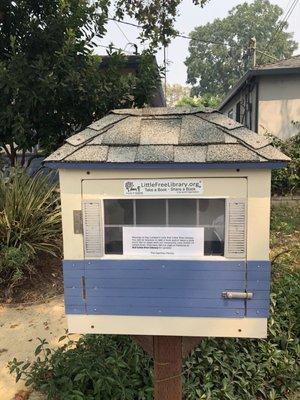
column 19, row 328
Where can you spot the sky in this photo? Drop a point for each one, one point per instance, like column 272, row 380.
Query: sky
column 190, row 16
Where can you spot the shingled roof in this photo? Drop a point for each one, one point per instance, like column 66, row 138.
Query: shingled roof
column 165, row 135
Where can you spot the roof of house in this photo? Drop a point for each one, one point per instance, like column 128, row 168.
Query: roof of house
column 165, row 135
column 282, row 67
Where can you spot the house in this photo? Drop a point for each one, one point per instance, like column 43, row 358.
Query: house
column 267, row 99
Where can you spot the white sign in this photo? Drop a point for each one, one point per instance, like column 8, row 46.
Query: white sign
column 164, row 241
column 159, row 187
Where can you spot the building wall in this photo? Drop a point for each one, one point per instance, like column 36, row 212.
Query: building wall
column 247, row 98
column 279, row 105
column 76, row 185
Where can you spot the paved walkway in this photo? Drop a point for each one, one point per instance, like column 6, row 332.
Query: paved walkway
column 19, row 328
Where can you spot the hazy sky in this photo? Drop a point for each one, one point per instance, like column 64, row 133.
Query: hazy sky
column 190, row 17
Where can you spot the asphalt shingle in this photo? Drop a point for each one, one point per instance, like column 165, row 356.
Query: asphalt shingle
column 89, row 153
column 106, row 121
column 82, row 137
column 221, row 120
column 61, row 153
column 194, row 154
column 121, row 154
column 155, row 154
column 251, row 138
column 230, row 152
column 125, row 132
column 160, row 131
column 195, row 130
column 271, row 153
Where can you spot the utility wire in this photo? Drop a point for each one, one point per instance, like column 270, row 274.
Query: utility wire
column 120, row 29
column 282, row 23
column 178, row 35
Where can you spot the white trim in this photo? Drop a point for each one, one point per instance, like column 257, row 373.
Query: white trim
column 168, row 326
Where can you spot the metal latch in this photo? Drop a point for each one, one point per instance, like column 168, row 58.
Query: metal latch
column 237, row 295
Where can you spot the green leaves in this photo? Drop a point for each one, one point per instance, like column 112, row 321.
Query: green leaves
column 286, row 181
column 30, row 223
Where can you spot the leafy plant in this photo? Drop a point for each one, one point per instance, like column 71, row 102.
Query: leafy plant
column 203, row 101
column 287, row 180
column 30, row 222
column 94, row 367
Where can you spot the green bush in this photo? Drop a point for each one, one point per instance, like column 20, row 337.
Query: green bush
column 29, row 223
column 115, row 368
column 14, row 263
column 286, row 181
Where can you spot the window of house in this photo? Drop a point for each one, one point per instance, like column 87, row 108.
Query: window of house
column 206, row 213
column 230, row 113
column 238, row 112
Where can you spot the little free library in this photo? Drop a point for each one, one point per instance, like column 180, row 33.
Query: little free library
column 166, row 224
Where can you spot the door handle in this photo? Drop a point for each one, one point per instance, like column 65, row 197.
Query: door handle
column 238, row 295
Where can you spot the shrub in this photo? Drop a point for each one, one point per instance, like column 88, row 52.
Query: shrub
column 286, row 181
column 29, row 222
column 13, row 264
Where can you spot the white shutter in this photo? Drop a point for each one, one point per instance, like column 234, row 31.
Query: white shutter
column 236, row 216
column 92, row 229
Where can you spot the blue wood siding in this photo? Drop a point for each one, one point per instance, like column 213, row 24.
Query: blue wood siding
column 166, row 288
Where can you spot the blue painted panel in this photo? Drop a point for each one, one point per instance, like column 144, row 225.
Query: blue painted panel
column 259, row 265
column 164, row 264
column 258, row 313
column 75, row 309
column 263, row 303
column 73, row 291
column 229, row 276
column 166, row 301
column 164, row 287
column 258, row 276
column 166, row 311
column 253, row 286
column 261, row 295
column 166, row 283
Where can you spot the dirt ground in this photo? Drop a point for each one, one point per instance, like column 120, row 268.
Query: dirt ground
column 19, row 328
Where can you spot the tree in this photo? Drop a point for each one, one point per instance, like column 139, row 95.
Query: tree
column 176, row 92
column 204, row 101
column 219, row 51
column 50, row 81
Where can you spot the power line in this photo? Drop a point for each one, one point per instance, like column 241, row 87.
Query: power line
column 177, row 35
column 120, row 29
column 282, row 22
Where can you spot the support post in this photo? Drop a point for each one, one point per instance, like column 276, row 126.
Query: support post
column 168, row 353
column 167, row 367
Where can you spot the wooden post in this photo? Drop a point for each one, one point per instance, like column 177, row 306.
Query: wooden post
column 167, row 352
column 167, row 367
